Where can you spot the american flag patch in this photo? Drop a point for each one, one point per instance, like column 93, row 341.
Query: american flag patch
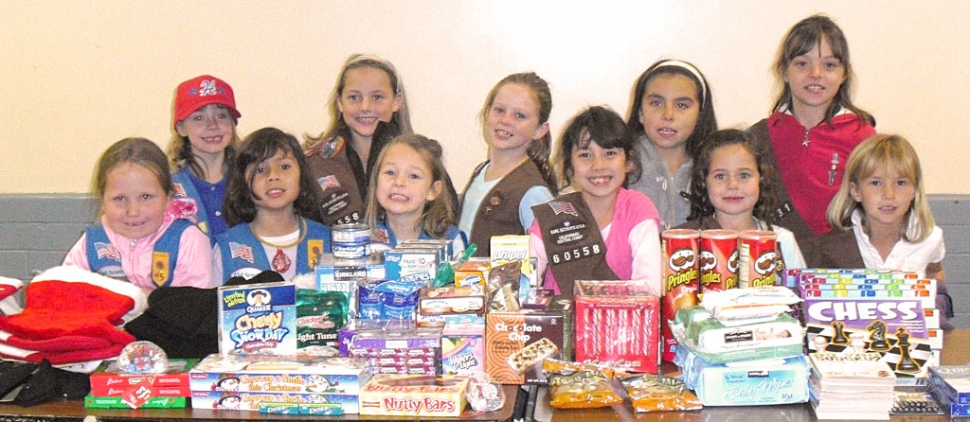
column 179, row 190
column 328, row 182
column 239, row 250
column 107, row 250
column 560, row 207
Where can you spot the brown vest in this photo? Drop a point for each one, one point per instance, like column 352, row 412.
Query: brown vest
column 574, row 245
column 344, row 190
column 498, row 213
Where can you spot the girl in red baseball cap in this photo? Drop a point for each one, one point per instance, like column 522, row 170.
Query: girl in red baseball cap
column 203, row 148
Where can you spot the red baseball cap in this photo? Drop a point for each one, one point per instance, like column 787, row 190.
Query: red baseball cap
column 201, row 91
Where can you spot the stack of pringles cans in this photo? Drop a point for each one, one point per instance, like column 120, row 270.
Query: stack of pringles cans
column 696, row 261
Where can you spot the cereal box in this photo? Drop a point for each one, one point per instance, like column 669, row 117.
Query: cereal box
column 258, row 319
column 402, row 262
column 516, row 343
column 410, row 395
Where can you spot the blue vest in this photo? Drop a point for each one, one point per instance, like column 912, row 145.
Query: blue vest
column 243, row 254
column 105, row 259
column 185, row 190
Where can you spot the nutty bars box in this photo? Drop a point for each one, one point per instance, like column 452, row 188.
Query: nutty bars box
column 413, row 395
column 516, row 343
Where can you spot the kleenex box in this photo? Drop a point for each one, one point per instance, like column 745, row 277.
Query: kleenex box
column 750, row 383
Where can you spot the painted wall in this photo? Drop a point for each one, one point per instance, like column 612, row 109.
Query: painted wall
column 77, row 76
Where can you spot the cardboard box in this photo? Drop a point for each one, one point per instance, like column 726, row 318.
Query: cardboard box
column 517, row 342
column 617, row 324
column 400, row 262
column 258, row 319
column 473, row 272
column 951, row 383
column 463, row 345
column 94, row 402
column 248, row 401
column 108, row 380
column 406, row 395
column 321, row 375
column 451, row 300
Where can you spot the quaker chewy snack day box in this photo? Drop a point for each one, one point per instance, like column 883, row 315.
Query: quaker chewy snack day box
column 258, row 319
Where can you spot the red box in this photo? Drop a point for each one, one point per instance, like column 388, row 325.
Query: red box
column 617, row 324
column 108, row 381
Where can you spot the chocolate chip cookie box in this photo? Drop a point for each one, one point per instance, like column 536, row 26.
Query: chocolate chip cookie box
column 278, row 374
column 516, row 343
column 414, row 395
column 258, row 319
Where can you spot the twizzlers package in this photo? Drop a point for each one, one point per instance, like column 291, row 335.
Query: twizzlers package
column 258, row 319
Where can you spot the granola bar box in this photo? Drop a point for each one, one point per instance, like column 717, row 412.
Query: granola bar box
column 516, row 343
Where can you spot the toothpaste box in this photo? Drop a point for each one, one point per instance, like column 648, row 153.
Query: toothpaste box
column 258, row 319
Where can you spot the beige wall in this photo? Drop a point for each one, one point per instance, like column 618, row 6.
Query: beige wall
column 76, row 76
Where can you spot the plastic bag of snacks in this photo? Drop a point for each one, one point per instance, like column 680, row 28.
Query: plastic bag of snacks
column 654, row 393
column 579, row 386
column 483, row 395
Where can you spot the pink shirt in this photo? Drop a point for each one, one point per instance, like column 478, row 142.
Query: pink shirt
column 193, row 268
column 632, row 242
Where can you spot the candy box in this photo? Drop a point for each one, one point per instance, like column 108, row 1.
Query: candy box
column 409, row 395
column 108, row 380
column 516, row 343
column 355, row 326
column 258, row 319
column 95, row 402
column 451, row 300
column 463, row 345
column 251, row 401
column 316, row 375
column 617, row 324
column 473, row 272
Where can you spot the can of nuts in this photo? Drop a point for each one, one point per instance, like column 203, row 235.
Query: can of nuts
column 758, row 252
column 680, row 279
column 719, row 260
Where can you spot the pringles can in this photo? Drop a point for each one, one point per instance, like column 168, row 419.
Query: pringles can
column 680, row 279
column 719, row 260
column 758, row 250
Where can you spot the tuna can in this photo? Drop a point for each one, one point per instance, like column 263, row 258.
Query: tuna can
column 354, row 233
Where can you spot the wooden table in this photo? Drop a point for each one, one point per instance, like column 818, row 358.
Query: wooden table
column 74, row 411
column 956, row 351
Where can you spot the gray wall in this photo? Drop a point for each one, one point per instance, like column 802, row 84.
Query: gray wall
column 36, row 230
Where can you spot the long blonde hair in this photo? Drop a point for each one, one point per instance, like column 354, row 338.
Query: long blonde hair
column 891, row 152
column 401, row 117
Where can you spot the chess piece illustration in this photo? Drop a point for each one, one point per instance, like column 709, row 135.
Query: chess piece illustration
column 839, row 337
column 906, row 363
column 878, row 337
column 857, row 342
column 820, row 344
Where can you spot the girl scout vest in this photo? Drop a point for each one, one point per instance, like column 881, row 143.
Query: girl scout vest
column 574, row 246
column 343, row 193
column 243, row 255
column 498, row 213
column 104, row 258
column 185, row 191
